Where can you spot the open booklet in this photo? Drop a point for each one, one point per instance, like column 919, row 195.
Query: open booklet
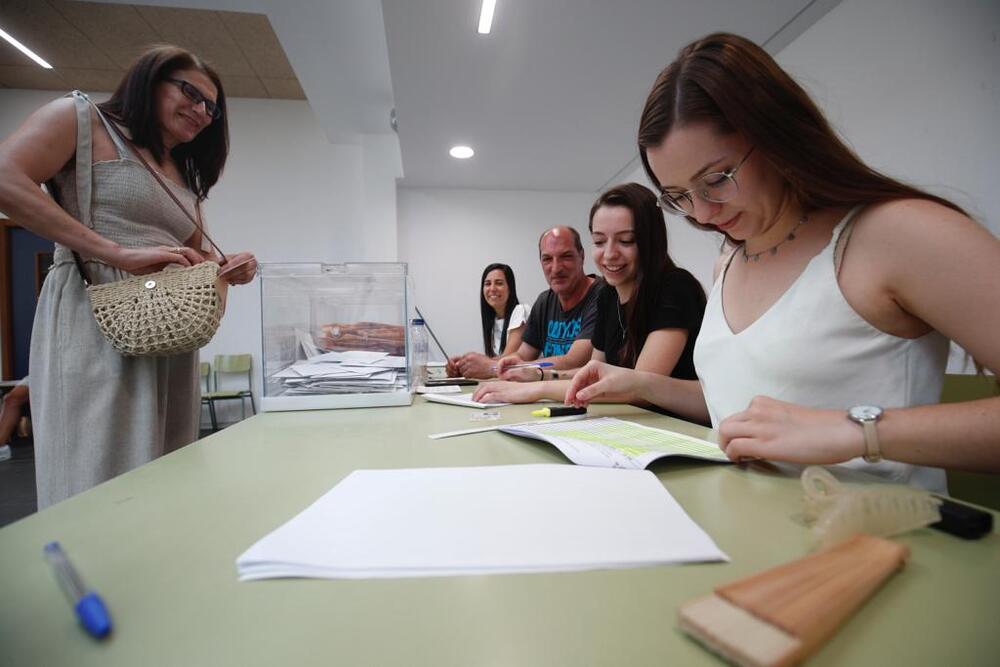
column 464, row 400
column 614, row 443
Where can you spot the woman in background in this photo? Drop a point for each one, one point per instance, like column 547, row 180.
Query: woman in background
column 97, row 413
column 826, row 333
column 503, row 319
column 648, row 313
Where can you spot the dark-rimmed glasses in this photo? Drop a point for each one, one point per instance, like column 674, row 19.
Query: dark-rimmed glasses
column 716, row 188
column 196, row 96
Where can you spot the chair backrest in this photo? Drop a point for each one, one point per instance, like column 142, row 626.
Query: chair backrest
column 233, row 364
column 205, row 371
column 980, row 488
column 968, row 387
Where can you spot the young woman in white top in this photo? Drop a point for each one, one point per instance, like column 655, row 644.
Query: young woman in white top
column 503, row 320
column 826, row 333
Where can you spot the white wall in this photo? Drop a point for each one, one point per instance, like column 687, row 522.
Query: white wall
column 287, row 194
column 449, row 236
column 914, row 87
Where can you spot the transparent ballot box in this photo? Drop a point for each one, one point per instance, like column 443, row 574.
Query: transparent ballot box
column 334, row 335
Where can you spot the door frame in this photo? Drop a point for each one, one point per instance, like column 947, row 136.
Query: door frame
column 6, row 315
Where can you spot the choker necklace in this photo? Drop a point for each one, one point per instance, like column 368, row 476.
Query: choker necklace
column 773, row 250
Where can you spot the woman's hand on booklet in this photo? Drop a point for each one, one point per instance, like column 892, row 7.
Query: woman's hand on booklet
column 240, row 268
column 598, row 379
column 507, row 392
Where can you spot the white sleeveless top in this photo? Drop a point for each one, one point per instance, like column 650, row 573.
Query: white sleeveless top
column 811, row 348
column 518, row 317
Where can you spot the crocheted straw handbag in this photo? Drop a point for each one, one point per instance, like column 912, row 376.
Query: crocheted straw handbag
column 168, row 312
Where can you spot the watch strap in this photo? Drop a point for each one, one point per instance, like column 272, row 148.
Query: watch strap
column 873, row 453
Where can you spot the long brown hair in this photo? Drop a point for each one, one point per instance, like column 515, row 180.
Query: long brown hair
column 134, row 103
column 488, row 315
column 654, row 260
column 736, row 86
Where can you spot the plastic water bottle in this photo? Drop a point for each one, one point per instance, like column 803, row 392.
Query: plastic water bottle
column 419, row 347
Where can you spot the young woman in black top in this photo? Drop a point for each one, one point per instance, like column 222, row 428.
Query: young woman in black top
column 650, row 311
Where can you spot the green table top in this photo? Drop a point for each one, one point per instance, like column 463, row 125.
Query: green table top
column 160, row 545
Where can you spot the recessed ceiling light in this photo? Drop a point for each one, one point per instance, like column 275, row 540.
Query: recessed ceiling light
column 486, row 17
column 461, row 152
column 25, row 50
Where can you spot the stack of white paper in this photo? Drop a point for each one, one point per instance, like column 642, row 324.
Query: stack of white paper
column 355, row 371
column 481, row 520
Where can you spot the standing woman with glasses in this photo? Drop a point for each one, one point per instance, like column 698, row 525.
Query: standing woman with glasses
column 648, row 313
column 826, row 334
column 97, row 413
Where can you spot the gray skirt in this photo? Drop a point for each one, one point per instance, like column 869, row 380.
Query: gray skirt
column 96, row 413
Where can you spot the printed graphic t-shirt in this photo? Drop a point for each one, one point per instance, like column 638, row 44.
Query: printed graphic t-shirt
column 553, row 330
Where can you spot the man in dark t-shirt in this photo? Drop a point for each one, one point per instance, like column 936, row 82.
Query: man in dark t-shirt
column 554, row 329
column 562, row 320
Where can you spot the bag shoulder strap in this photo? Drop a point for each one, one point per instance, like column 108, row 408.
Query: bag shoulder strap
column 116, row 131
column 84, row 169
column 84, row 172
column 84, row 156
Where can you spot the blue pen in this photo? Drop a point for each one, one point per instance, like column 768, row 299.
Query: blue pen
column 538, row 364
column 88, row 605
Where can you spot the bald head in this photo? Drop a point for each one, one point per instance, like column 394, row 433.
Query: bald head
column 562, row 232
column 561, row 255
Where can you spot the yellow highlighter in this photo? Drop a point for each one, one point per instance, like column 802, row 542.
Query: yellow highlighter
column 559, row 412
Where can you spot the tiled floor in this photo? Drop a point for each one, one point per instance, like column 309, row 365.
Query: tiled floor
column 17, row 483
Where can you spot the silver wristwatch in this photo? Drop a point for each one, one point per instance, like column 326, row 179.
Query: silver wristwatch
column 867, row 416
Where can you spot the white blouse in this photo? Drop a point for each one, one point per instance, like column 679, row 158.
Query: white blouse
column 518, row 317
column 811, row 348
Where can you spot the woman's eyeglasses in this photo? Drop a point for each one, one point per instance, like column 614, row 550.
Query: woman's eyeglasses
column 195, row 95
column 717, row 188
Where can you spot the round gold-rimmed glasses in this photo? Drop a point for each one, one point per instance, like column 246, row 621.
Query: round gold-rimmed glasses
column 716, row 188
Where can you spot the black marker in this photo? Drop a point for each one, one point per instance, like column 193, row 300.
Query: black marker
column 559, row 412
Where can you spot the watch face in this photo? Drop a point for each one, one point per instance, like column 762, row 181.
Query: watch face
column 865, row 413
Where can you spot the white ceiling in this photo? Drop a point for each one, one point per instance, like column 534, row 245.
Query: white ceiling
column 550, row 100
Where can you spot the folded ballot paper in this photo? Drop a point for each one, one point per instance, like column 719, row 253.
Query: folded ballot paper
column 481, row 520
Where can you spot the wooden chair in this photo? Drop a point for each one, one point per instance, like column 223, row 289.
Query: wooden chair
column 979, row 488
column 223, row 366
